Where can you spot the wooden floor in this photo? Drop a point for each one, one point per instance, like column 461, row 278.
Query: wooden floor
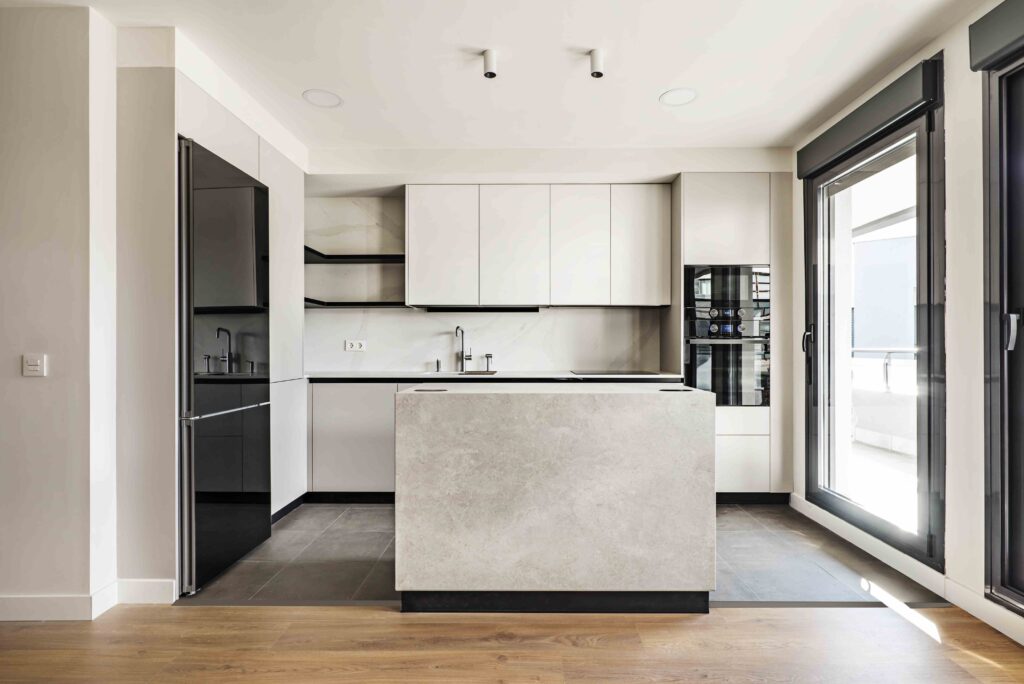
column 378, row 644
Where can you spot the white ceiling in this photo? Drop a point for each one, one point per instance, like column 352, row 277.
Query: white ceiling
column 767, row 71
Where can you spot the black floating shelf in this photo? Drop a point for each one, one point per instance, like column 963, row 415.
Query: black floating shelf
column 200, row 310
column 313, row 256
column 319, row 304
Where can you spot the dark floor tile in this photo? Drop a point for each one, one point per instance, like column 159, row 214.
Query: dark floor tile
column 342, row 544
column 379, row 585
column 239, row 582
column 311, row 517
column 283, row 545
column 760, row 546
column 368, row 518
column 729, row 586
column 793, row 579
column 336, row 581
column 389, row 553
column 730, row 517
column 862, row 571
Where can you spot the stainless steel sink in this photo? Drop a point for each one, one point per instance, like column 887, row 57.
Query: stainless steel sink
column 478, row 372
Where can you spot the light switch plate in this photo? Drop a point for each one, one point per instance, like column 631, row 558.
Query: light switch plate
column 33, row 365
column 355, row 345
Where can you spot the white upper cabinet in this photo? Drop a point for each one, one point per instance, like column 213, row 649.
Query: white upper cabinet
column 442, row 245
column 580, row 244
column 538, row 245
column 641, row 218
column 515, row 237
column 726, row 218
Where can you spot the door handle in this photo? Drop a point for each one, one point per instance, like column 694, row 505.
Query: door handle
column 807, row 339
column 1012, row 324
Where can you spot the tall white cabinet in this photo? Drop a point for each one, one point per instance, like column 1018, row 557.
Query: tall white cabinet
column 515, row 236
column 733, row 219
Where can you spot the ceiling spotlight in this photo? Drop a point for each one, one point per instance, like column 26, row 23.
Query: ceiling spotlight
column 490, row 64
column 318, row 97
column 597, row 63
column 677, row 97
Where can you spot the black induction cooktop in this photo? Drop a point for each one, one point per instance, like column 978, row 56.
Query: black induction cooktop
column 614, row 372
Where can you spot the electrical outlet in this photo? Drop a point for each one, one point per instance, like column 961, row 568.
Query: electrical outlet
column 355, row 345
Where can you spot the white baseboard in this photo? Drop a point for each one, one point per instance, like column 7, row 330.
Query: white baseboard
column 989, row 612
column 85, row 607
column 162, row 591
column 103, row 600
column 32, row 608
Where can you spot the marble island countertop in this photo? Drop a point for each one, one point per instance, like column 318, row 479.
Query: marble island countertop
column 499, row 376
column 551, row 388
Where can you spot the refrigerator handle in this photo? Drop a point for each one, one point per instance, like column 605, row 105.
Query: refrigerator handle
column 187, row 559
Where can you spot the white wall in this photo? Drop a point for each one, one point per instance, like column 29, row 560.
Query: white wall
column 964, row 579
column 57, row 268
column 147, row 428
column 102, row 312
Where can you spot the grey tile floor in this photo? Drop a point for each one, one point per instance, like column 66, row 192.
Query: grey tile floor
column 328, row 553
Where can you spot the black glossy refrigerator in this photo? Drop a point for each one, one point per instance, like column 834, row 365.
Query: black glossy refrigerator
column 224, row 364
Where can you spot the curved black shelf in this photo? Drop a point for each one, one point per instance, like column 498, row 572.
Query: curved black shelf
column 313, row 256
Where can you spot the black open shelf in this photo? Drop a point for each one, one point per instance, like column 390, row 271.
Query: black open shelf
column 313, row 256
column 319, row 304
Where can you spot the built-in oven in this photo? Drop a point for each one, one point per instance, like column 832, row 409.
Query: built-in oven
column 728, row 332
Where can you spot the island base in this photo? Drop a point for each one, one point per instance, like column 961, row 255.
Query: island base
column 554, row 602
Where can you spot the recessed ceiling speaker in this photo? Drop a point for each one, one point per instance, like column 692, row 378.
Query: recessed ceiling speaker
column 490, row 64
column 597, row 63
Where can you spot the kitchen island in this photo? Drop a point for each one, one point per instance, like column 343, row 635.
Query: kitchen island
column 580, row 497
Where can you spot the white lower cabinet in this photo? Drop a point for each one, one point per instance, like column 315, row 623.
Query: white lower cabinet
column 742, row 463
column 742, row 449
column 288, row 407
column 353, row 434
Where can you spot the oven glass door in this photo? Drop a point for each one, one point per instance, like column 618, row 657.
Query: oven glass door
column 736, row 370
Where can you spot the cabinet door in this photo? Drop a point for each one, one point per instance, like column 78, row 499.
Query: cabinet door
column 354, row 437
column 742, row 463
column 287, row 274
column 289, row 465
column 515, row 242
column 442, row 245
column 726, row 218
column 580, row 244
column 224, row 249
column 641, row 245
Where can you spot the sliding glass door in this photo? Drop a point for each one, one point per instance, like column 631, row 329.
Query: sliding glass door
column 1004, row 335
column 874, row 343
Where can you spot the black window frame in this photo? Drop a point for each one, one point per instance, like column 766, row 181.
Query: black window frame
column 926, row 121
column 997, row 555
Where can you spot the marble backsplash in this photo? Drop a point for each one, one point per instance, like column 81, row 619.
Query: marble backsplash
column 556, row 339
column 356, row 225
